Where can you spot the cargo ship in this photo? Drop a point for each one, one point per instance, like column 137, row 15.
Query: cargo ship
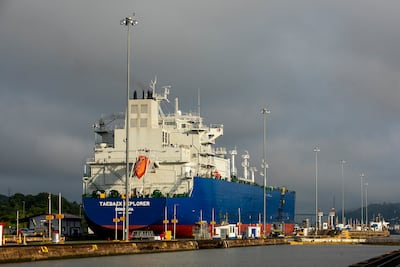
column 178, row 178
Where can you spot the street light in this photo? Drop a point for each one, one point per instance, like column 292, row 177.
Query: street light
column 366, row 204
column 128, row 21
column 316, row 150
column 265, row 112
column 342, row 162
column 362, row 201
column 174, row 220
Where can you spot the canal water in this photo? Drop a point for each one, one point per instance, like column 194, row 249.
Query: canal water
column 281, row 255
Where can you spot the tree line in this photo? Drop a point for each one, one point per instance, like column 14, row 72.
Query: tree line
column 31, row 205
column 388, row 211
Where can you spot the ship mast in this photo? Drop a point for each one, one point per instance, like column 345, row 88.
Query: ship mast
column 128, row 21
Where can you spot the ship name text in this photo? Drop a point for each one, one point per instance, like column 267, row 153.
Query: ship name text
column 143, row 203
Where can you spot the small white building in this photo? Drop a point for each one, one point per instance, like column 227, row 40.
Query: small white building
column 226, row 231
column 253, row 232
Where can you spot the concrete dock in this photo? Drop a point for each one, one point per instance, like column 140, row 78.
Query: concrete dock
column 23, row 253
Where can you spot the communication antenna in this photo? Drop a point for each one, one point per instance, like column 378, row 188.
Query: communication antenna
column 198, row 101
column 153, row 85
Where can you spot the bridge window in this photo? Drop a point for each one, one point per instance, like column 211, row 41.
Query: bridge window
column 134, row 109
column 143, row 108
column 143, row 123
column 165, row 138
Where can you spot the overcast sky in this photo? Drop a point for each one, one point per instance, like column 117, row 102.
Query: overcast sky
column 328, row 70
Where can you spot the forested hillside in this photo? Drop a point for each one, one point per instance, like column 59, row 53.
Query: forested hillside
column 29, row 205
column 389, row 211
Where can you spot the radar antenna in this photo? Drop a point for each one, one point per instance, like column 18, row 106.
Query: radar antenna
column 158, row 97
column 166, row 92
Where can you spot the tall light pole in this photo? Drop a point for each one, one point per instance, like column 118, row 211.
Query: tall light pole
column 316, row 150
column 265, row 112
column 50, row 214
column 342, row 162
column 366, row 204
column 362, row 201
column 128, row 21
column 174, row 220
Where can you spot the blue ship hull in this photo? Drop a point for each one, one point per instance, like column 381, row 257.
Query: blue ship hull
column 210, row 197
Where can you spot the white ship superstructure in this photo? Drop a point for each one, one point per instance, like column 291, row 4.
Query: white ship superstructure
column 178, row 145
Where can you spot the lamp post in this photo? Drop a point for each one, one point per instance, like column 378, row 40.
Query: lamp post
column 366, row 204
column 174, row 220
column 115, row 220
column 316, row 150
column 362, row 201
column 342, row 162
column 128, row 21
column 265, row 112
column 49, row 217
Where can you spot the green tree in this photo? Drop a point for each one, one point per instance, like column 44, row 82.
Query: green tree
column 29, row 205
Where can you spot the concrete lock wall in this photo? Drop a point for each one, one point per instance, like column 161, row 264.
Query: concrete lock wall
column 21, row 253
